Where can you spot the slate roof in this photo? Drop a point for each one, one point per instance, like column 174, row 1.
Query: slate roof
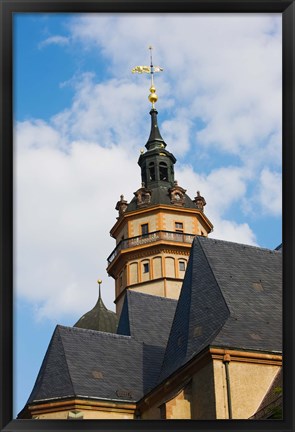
column 147, row 318
column 92, row 364
column 96, row 364
column 231, row 297
column 160, row 195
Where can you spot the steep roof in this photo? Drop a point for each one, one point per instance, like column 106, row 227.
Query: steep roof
column 92, row 364
column 147, row 318
column 86, row 363
column 231, row 297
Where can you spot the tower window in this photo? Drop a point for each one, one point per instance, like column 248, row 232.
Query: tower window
column 179, row 227
column 146, row 267
column 181, row 265
column 144, row 229
column 163, row 171
column 152, row 175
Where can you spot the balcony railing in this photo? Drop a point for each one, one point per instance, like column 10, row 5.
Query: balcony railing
column 150, row 238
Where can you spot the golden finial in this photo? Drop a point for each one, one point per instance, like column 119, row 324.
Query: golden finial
column 151, row 70
column 99, row 281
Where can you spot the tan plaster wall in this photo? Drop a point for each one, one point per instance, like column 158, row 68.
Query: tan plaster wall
column 249, row 383
column 87, row 414
column 107, row 415
column 170, row 266
column 154, row 287
column 133, row 273
column 203, row 397
column 157, row 267
column 189, row 222
column 173, row 288
column 179, row 407
column 151, row 220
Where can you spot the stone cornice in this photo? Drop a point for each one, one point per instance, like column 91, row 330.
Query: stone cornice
column 44, row 407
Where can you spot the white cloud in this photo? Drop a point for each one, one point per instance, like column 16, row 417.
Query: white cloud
column 64, row 211
column 229, row 77
column 54, row 40
column 270, row 192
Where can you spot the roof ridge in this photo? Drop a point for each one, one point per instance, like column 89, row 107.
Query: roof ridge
column 153, row 296
column 68, row 369
column 81, row 329
column 213, row 274
column 41, row 374
column 241, row 245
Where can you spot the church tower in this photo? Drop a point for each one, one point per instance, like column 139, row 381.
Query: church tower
column 155, row 230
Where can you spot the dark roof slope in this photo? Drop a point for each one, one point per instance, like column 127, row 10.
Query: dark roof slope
column 146, row 317
column 90, row 364
column 231, row 297
column 160, row 195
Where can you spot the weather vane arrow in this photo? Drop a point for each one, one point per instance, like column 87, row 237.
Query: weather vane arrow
column 150, row 70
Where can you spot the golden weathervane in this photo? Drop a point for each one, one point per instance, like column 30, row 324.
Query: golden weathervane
column 150, row 70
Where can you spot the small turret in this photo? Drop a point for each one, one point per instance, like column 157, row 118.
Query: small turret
column 99, row 318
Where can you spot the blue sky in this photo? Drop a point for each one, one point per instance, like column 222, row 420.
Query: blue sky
column 81, row 118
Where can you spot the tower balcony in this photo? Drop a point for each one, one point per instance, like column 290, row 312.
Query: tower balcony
column 155, row 236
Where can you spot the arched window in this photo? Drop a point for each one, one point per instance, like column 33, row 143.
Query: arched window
column 163, row 171
column 152, row 175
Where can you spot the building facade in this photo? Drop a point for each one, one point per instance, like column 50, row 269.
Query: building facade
column 197, row 333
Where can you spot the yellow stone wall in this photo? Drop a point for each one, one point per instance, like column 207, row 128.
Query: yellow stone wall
column 190, row 222
column 135, row 225
column 173, row 288
column 166, row 265
column 87, row 415
column 175, row 407
column 249, row 383
column 154, row 288
column 203, row 397
column 179, row 407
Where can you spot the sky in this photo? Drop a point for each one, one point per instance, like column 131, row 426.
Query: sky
column 80, row 120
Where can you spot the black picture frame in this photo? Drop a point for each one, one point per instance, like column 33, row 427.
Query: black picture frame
column 7, row 9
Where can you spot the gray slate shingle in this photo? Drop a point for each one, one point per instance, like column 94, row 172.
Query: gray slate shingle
column 146, row 317
column 231, row 297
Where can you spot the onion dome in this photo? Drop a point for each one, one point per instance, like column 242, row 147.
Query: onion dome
column 99, row 318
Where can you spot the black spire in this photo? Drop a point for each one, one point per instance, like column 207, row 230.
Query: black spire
column 155, row 138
